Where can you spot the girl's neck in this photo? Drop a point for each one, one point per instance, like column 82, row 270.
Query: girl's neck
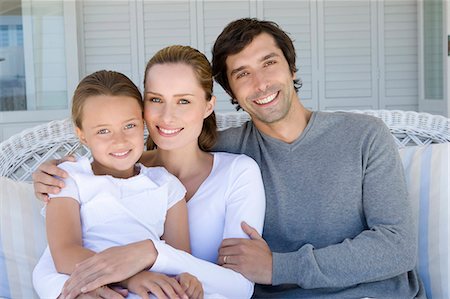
column 99, row 169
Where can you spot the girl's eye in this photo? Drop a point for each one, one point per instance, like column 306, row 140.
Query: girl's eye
column 183, row 101
column 102, row 131
column 130, row 126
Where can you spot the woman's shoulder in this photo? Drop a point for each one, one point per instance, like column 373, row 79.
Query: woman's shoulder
column 234, row 161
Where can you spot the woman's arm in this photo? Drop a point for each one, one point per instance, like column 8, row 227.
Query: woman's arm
column 63, row 227
column 176, row 227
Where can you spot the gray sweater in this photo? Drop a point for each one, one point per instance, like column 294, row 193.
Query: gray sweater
column 338, row 219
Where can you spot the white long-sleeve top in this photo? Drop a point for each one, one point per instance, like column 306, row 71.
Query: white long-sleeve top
column 232, row 193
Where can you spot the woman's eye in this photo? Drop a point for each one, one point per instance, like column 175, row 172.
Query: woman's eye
column 130, row 126
column 103, row 131
column 155, row 100
column 184, row 101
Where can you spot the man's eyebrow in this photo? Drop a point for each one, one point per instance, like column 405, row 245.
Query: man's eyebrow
column 237, row 70
column 270, row 55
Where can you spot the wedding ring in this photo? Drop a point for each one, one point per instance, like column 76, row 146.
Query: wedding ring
column 225, row 259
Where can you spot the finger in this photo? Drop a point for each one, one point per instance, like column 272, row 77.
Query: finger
column 107, row 293
column 95, row 284
column 173, row 289
column 157, row 291
column 143, row 293
column 232, row 242
column 51, row 168
column 198, row 293
column 44, row 190
column 250, row 231
column 70, row 158
column 120, row 290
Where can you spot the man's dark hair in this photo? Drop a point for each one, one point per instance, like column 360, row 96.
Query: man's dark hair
column 239, row 34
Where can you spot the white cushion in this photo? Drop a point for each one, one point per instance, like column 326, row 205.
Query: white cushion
column 427, row 177
column 22, row 238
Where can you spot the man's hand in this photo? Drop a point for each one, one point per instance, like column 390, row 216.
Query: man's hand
column 109, row 266
column 160, row 285
column 44, row 179
column 252, row 258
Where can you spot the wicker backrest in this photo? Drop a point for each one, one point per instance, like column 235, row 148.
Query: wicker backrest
column 22, row 153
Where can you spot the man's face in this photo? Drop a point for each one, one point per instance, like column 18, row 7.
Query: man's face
column 261, row 80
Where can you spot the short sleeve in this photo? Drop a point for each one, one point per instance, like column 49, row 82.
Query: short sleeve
column 176, row 190
column 70, row 186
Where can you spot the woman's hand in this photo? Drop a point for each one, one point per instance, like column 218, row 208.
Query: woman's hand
column 191, row 285
column 112, row 265
column 160, row 285
column 44, row 179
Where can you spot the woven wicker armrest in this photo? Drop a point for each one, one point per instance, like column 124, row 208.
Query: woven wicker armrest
column 21, row 154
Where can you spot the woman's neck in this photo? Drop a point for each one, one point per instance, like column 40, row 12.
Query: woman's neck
column 190, row 165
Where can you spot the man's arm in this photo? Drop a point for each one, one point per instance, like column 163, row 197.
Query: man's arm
column 386, row 249
column 46, row 179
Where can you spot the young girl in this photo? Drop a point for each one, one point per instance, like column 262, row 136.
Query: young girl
column 223, row 190
column 112, row 200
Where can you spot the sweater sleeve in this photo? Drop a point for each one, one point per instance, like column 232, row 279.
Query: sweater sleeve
column 387, row 247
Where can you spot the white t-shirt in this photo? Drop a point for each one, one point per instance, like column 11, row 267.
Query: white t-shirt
column 232, row 193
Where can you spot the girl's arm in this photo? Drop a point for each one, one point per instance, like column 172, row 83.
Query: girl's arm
column 63, row 227
column 176, row 227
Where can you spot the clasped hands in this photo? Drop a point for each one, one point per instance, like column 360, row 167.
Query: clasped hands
column 125, row 264
column 250, row 257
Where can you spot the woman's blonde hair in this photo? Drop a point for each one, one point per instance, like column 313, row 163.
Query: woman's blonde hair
column 202, row 70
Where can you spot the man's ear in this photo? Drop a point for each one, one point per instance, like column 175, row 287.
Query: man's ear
column 80, row 135
column 210, row 106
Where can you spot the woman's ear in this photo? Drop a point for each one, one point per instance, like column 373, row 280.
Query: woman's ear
column 210, row 106
column 80, row 135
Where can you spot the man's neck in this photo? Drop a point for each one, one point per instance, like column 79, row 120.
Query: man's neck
column 290, row 127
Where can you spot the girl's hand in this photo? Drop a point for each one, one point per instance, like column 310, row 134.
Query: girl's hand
column 191, row 285
column 160, row 285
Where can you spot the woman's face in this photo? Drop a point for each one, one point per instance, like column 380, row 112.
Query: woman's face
column 175, row 106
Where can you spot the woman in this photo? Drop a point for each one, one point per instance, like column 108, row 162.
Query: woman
column 223, row 190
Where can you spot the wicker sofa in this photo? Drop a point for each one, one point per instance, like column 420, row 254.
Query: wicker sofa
column 423, row 141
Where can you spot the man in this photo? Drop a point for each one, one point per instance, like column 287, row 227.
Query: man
column 338, row 222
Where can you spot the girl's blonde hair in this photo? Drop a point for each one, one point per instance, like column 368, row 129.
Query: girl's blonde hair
column 109, row 83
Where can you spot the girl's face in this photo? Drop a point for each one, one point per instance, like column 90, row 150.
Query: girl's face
column 113, row 129
column 175, row 106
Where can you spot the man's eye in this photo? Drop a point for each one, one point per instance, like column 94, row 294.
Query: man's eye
column 242, row 74
column 103, row 131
